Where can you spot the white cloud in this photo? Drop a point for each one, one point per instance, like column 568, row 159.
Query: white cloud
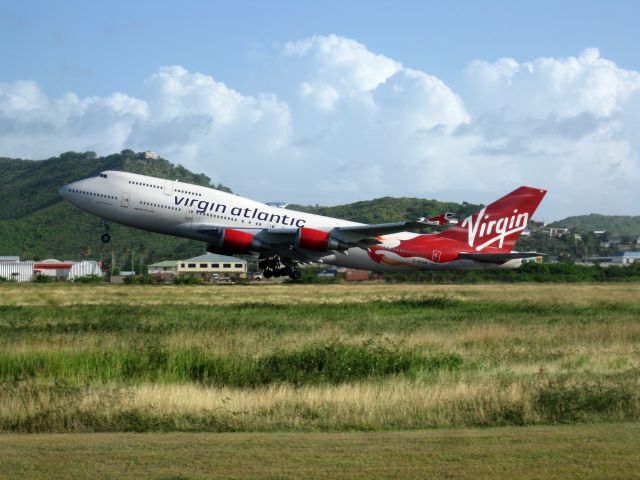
column 551, row 86
column 346, row 123
column 342, row 62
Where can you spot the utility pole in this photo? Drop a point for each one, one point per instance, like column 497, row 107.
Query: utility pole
column 133, row 265
column 113, row 261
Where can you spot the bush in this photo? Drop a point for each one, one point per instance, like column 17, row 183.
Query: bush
column 141, row 280
column 88, row 279
column 566, row 401
column 188, row 280
column 42, row 279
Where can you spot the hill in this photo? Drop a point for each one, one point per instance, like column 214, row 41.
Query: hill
column 36, row 223
column 614, row 224
column 390, row 209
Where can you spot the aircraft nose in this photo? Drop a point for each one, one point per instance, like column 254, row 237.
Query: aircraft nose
column 64, row 191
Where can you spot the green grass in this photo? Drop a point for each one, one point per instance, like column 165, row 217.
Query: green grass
column 403, row 315
column 333, row 362
column 325, row 358
column 605, row 451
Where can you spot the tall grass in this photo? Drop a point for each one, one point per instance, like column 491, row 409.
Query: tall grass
column 312, row 364
column 393, row 404
column 380, row 360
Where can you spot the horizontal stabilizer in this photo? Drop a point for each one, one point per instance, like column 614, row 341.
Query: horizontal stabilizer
column 497, row 257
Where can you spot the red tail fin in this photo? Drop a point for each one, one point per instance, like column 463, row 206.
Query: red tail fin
column 500, row 224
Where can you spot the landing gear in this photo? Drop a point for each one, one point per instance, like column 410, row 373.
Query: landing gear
column 106, row 238
column 279, row 267
column 295, row 274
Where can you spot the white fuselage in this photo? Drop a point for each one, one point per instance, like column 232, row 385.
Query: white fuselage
column 181, row 209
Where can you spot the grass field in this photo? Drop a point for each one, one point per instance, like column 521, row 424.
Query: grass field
column 316, row 358
column 378, row 381
column 603, row 451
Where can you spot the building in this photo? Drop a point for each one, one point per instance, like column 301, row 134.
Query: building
column 624, row 259
column 211, row 266
column 556, row 231
column 278, row 204
column 627, row 258
column 16, row 271
column 353, row 275
column 21, row 271
column 67, row 270
column 163, row 267
column 164, row 271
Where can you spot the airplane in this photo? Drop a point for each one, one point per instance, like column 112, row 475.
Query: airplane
column 286, row 239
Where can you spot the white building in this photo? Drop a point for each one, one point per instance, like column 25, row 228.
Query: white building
column 210, row 266
column 67, row 270
column 627, row 258
column 16, row 271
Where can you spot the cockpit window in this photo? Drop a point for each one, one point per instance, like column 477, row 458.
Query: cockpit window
column 103, row 175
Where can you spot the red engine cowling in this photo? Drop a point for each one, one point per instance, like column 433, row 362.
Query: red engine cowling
column 317, row 240
column 235, row 241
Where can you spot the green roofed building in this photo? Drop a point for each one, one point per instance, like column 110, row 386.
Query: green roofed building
column 166, row 266
column 211, row 266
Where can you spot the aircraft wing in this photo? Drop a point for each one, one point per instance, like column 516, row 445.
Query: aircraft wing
column 497, row 257
column 351, row 235
column 377, row 229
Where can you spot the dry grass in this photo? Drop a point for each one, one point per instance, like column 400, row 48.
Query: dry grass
column 446, row 400
column 69, row 294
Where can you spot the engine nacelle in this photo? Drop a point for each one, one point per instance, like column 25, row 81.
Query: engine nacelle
column 317, row 240
column 235, row 241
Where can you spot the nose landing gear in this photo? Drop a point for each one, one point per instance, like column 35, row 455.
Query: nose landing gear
column 106, row 238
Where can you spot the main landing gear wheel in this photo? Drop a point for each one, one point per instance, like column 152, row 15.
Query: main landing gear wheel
column 106, row 238
column 295, row 274
column 276, row 266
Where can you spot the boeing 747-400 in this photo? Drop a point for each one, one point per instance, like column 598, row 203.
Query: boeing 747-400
column 284, row 239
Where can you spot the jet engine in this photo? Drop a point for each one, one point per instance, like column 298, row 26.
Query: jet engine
column 235, row 241
column 317, row 240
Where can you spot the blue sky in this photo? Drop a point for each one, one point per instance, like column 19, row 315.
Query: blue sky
column 94, row 48
column 263, row 85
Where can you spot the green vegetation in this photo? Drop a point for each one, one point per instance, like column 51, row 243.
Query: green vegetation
column 80, row 358
column 562, row 272
column 188, row 280
column 36, row 223
column 603, row 451
column 618, row 224
column 140, row 280
column 389, row 209
column 313, row 364
column 89, row 279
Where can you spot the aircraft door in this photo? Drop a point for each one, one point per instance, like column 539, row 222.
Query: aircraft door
column 188, row 214
column 435, row 256
column 168, row 187
column 125, row 200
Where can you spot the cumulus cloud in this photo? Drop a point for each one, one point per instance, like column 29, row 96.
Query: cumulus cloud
column 345, row 123
column 565, row 87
